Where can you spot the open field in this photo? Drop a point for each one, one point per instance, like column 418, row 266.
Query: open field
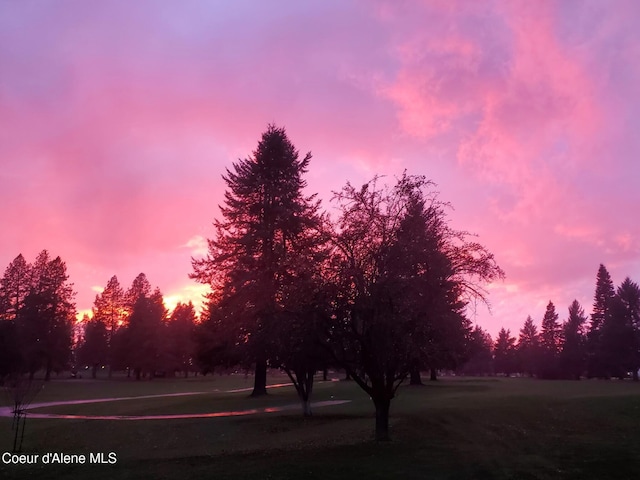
column 454, row 428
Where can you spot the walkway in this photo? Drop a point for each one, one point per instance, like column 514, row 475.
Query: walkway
column 8, row 411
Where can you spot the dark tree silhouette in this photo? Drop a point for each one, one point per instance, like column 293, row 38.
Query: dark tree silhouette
column 94, row 347
column 550, row 343
column 14, row 288
column 179, row 338
column 264, row 219
column 479, row 354
column 109, row 309
column 392, row 287
column 573, row 355
column 618, row 337
column 46, row 329
column 528, row 350
column 10, row 355
column 628, row 309
column 504, row 353
column 143, row 333
column 602, row 304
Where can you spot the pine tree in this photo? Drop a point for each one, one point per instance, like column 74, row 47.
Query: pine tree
column 259, row 242
column 49, row 313
column 573, row 355
column 618, row 338
column 601, row 313
column 628, row 294
column 550, row 343
column 144, row 333
column 479, row 354
column 504, row 352
column 528, row 347
column 94, row 347
column 14, row 287
column 109, row 309
column 179, row 342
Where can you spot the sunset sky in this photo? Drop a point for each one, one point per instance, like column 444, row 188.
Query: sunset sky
column 117, row 119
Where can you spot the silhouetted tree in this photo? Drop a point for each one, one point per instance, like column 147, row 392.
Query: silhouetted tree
column 601, row 313
column 388, row 298
column 179, row 340
column 46, row 328
column 14, row 288
column 94, row 347
column 216, row 337
column 504, row 353
column 264, row 219
column 143, row 333
column 618, row 337
column 528, row 350
column 550, row 343
column 480, row 354
column 109, row 308
column 628, row 294
column 15, row 285
column 10, row 355
column 573, row 355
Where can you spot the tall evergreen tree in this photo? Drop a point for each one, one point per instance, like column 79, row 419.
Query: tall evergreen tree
column 618, row 337
column 480, row 354
column 264, row 221
column 93, row 349
column 573, row 355
column 109, row 309
column 602, row 304
column 528, row 350
column 179, row 342
column 49, row 312
column 14, row 287
column 550, row 343
column 144, row 333
column 504, row 353
column 628, row 294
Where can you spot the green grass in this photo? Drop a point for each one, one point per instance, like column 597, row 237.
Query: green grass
column 451, row 429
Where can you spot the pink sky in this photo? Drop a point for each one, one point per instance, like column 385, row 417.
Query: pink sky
column 118, row 118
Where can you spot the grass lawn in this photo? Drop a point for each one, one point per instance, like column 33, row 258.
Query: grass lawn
column 455, row 429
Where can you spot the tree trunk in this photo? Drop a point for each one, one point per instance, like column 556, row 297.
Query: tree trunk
column 260, row 379
column 138, row 372
column 382, row 419
column 94, row 370
column 306, row 408
column 433, row 375
column 415, row 376
column 47, row 375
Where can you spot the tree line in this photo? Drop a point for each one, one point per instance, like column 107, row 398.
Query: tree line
column 605, row 346
column 128, row 330
column 133, row 331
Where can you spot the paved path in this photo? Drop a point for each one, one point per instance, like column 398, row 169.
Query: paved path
column 8, row 411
